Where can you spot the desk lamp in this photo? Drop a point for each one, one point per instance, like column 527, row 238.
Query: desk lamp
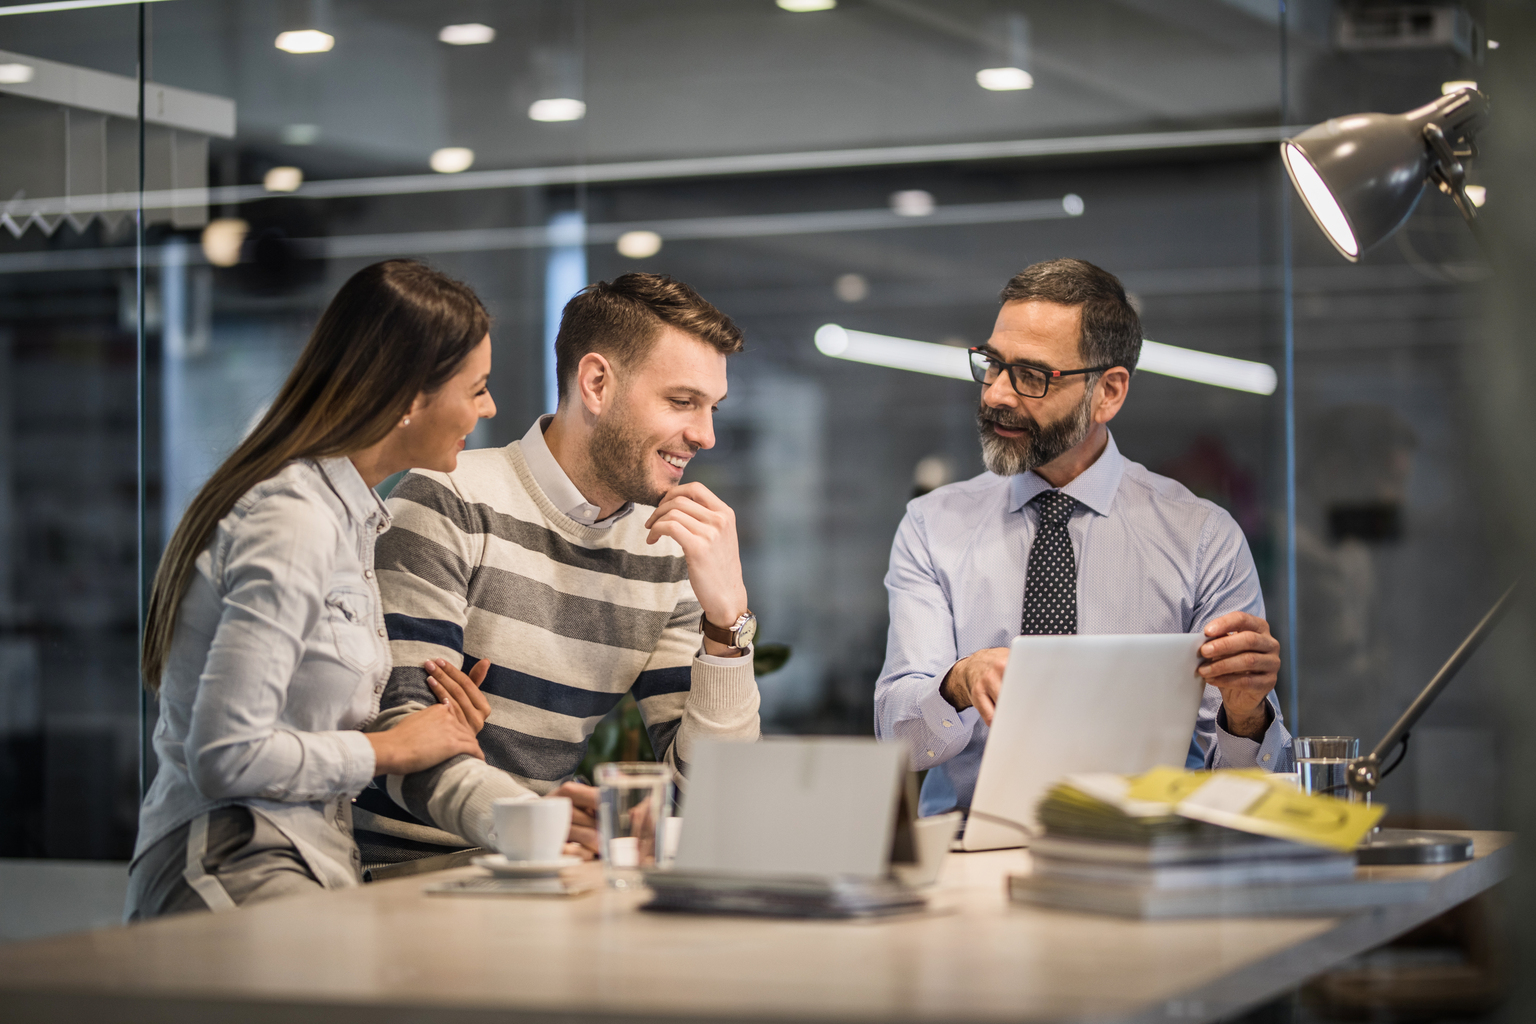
column 1360, row 177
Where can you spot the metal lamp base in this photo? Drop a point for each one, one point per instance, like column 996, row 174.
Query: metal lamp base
column 1413, row 846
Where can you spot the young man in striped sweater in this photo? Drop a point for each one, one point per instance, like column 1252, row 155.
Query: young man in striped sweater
column 569, row 568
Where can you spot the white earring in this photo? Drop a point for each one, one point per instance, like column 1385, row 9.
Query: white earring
column 405, row 422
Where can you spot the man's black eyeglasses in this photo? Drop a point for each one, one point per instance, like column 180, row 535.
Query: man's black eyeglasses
column 1028, row 381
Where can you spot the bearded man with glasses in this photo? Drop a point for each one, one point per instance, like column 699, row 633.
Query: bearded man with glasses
column 1063, row 535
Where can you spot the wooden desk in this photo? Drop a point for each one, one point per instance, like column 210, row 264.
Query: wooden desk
column 387, row 953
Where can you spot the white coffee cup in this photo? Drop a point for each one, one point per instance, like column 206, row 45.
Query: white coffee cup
column 531, row 830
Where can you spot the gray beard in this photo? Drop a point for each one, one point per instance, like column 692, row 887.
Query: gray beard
column 620, row 454
column 1010, row 456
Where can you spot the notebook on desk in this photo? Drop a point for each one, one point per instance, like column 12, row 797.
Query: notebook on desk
column 1118, row 703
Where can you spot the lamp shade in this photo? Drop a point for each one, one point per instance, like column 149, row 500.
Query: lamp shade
column 1362, row 175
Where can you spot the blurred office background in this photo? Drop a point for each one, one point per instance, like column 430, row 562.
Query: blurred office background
column 799, row 167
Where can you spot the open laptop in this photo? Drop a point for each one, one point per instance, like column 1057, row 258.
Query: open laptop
column 1080, row 704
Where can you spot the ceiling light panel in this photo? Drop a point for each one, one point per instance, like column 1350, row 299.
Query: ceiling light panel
column 557, row 110
column 471, row 34
column 309, row 40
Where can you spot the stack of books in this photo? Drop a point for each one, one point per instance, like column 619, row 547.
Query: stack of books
column 1099, row 850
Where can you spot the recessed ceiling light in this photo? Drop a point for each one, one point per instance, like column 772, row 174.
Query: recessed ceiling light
column 308, row 40
column 912, row 202
column 805, row 6
column 557, row 110
column 283, row 179
column 472, row 34
column 1004, row 79
column 1072, row 204
column 452, row 159
column 300, row 134
column 16, row 74
column 222, row 239
column 638, row 245
column 1478, row 194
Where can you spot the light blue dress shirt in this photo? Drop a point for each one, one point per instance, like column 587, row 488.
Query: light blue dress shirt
column 1151, row 558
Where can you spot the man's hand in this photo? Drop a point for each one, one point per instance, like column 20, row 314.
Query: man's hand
column 975, row 682
column 1242, row 661
column 583, row 817
column 705, row 528
column 449, row 685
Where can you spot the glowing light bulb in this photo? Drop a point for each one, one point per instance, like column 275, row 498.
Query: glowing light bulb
column 309, row 40
column 451, row 159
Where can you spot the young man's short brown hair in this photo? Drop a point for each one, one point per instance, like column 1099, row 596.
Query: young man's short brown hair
column 620, row 320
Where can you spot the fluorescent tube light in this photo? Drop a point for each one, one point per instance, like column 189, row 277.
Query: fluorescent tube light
column 950, row 361
column 1207, row 368
column 16, row 74
column 897, row 353
column 80, row 5
column 308, row 40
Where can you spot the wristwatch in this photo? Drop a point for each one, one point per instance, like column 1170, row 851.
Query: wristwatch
column 739, row 635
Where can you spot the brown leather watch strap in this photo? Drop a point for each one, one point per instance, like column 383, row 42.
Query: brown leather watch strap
column 714, row 632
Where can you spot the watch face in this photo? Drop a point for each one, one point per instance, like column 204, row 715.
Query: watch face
column 747, row 631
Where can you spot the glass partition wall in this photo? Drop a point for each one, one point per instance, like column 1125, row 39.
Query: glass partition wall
column 880, row 165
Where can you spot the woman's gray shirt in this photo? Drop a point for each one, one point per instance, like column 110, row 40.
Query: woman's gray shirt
column 279, row 658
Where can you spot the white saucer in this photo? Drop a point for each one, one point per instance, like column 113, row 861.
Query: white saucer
column 498, row 865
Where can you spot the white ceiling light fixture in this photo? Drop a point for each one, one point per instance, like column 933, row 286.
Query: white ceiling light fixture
column 805, row 6
column 283, row 179
column 222, row 240
column 16, row 74
column 1004, row 79
column 913, row 202
column 954, row 362
column 1446, row 88
column 451, row 159
column 639, row 245
column 307, row 40
column 470, row 34
column 560, row 109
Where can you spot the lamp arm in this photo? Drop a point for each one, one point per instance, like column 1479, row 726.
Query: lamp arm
column 1364, row 773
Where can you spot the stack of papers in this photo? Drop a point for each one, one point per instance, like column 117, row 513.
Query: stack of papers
column 1174, row 843
column 786, row 896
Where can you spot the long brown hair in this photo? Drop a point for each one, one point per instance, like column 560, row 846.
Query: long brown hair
column 394, row 330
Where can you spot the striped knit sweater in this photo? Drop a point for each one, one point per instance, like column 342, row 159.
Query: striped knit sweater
column 479, row 563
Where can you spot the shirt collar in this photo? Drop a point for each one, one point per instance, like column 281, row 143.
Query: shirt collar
column 1094, row 486
column 361, row 501
column 554, row 482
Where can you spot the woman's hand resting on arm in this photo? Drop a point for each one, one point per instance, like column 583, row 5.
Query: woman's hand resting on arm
column 422, row 739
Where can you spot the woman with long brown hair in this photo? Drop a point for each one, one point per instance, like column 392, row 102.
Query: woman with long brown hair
column 265, row 638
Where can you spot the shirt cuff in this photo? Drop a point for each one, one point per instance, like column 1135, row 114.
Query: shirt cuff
column 719, row 662
column 1271, row 753
column 360, row 762
column 949, row 731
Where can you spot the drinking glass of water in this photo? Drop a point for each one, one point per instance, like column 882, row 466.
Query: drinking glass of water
column 1322, row 763
column 634, row 799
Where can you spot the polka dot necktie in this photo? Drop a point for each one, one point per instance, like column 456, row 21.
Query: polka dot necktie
column 1050, row 583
